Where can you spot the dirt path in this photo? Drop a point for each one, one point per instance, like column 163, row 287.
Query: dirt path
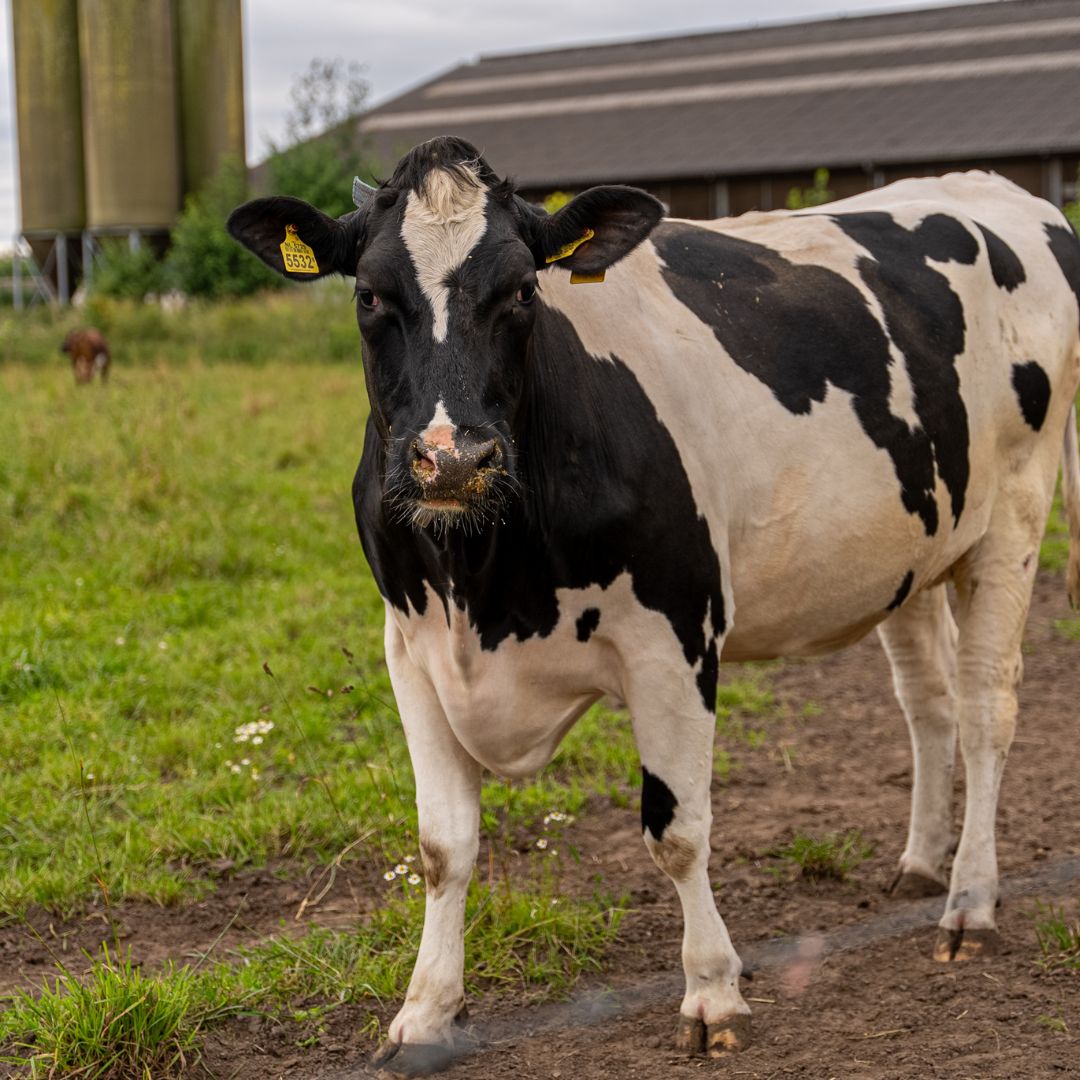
column 874, row 1006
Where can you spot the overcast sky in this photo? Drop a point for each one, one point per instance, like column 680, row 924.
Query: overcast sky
column 406, row 41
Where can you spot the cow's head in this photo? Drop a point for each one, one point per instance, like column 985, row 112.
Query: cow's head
column 445, row 258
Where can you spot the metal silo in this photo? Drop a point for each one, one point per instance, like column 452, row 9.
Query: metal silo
column 50, row 120
column 211, row 59
column 130, row 115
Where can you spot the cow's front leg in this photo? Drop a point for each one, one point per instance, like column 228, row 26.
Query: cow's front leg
column 421, row 1036
column 675, row 739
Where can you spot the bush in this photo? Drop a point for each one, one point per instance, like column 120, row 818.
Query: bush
column 125, row 274
column 815, row 195
column 320, row 172
column 204, row 259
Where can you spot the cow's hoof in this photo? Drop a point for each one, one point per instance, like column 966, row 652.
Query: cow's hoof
column 728, row 1036
column 690, row 1035
column 908, row 885
column 694, row 1038
column 413, row 1059
column 954, row 945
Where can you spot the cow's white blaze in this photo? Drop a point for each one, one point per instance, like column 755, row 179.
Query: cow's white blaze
column 441, row 226
column 440, row 429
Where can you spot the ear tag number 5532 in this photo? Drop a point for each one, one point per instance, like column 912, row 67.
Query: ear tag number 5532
column 296, row 255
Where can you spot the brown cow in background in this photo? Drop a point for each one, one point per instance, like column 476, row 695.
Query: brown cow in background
column 89, row 352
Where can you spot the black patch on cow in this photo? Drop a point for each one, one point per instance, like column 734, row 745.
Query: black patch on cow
column 1005, row 265
column 587, row 622
column 902, row 592
column 709, row 675
column 799, row 328
column 1032, row 391
column 1066, row 250
column 606, row 494
column 658, row 804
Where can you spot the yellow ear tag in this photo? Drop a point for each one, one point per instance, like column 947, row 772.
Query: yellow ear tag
column 296, row 255
column 567, row 250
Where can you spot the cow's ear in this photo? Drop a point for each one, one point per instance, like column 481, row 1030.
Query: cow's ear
column 597, row 228
column 293, row 238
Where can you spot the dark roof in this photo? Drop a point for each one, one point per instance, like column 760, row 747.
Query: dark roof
column 941, row 84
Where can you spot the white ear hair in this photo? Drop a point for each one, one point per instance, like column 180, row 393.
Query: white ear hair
column 361, row 192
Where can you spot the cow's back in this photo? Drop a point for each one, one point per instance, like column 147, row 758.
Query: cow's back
column 847, row 386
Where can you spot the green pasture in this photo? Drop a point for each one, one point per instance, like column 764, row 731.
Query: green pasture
column 191, row 671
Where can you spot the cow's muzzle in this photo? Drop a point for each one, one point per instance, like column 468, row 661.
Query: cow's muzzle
column 458, row 482
column 460, row 472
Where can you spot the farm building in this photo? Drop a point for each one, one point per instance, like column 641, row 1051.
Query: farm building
column 721, row 123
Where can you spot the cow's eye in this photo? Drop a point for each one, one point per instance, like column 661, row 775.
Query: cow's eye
column 367, row 299
column 526, row 293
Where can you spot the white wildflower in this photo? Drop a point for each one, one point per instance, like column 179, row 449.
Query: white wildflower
column 120, row 639
column 389, row 875
column 401, row 868
column 253, row 732
column 413, row 879
column 542, row 843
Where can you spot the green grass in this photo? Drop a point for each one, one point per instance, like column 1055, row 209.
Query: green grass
column 830, row 857
column 1054, row 552
column 1058, row 935
column 302, row 324
column 162, row 538
column 118, row 1023
column 115, row 1024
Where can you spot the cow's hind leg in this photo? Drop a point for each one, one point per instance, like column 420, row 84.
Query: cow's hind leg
column 994, row 582
column 675, row 740
column 421, row 1038
column 920, row 641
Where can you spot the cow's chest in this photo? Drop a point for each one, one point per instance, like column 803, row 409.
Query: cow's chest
column 510, row 705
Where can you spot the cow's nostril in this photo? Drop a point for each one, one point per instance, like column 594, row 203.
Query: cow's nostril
column 487, row 455
column 423, row 457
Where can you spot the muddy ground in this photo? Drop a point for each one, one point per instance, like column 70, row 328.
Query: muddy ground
column 874, row 1005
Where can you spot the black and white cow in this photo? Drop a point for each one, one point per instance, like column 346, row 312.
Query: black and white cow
column 759, row 437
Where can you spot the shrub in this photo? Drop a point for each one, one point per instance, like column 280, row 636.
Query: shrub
column 204, row 259
column 127, row 274
column 815, row 195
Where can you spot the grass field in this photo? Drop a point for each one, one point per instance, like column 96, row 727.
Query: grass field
column 191, row 673
column 165, row 541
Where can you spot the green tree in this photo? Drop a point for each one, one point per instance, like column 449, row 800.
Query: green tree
column 818, row 193
column 321, row 152
column 204, row 260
